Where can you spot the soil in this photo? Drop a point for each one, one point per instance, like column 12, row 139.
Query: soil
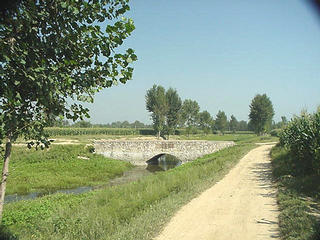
column 241, row 206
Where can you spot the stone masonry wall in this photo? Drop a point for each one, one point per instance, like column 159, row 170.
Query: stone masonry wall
column 139, row 151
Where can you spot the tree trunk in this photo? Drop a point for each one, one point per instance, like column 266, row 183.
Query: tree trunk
column 5, row 173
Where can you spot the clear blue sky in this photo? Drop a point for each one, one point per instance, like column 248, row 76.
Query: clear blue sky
column 221, row 54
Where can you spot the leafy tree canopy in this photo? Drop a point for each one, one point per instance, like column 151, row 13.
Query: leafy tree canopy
column 190, row 112
column 205, row 121
column 261, row 113
column 174, row 106
column 221, row 121
column 233, row 124
column 52, row 51
column 156, row 104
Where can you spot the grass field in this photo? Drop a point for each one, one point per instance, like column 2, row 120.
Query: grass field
column 129, row 211
column 59, row 167
column 298, row 199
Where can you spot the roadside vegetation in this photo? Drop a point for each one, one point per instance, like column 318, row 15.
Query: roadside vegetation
column 129, row 211
column 296, row 168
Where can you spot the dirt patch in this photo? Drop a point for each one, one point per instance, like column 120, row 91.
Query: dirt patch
column 241, row 206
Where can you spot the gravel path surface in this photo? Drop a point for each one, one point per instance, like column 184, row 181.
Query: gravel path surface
column 241, row 206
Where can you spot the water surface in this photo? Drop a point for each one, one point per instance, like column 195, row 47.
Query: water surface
column 161, row 162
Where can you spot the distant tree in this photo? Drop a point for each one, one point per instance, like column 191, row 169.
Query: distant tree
column 233, row 124
column 280, row 124
column 213, row 126
column 174, row 107
column 261, row 113
column 190, row 114
column 242, row 126
column 156, row 104
column 205, row 121
column 125, row 124
column 52, row 52
column 137, row 124
column 82, row 124
column 221, row 121
column 284, row 121
column 116, row 124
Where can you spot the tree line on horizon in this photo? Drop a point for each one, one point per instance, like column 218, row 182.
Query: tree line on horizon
column 169, row 112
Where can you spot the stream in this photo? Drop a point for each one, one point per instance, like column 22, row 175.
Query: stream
column 158, row 163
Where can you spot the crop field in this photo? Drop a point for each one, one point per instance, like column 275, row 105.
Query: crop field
column 55, row 131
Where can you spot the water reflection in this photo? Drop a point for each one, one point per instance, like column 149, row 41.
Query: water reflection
column 162, row 162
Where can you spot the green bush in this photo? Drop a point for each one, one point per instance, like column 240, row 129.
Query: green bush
column 302, row 137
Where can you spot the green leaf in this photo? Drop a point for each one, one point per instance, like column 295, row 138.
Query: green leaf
column 75, row 11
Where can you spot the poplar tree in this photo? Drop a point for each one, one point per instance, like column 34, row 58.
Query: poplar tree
column 221, row 121
column 190, row 114
column 174, row 110
column 261, row 113
column 156, row 104
column 205, row 121
column 233, row 124
column 55, row 55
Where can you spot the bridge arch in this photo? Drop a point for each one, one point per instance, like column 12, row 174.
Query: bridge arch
column 155, row 158
column 138, row 152
column 163, row 162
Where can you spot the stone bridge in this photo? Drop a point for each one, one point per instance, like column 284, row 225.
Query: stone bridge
column 138, row 152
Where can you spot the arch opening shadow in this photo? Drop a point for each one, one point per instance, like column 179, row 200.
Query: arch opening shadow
column 162, row 162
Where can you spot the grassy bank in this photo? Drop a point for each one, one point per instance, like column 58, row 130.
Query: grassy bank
column 298, row 199
column 59, row 167
column 136, row 210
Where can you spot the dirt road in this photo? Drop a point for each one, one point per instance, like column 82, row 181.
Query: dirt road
column 241, row 206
